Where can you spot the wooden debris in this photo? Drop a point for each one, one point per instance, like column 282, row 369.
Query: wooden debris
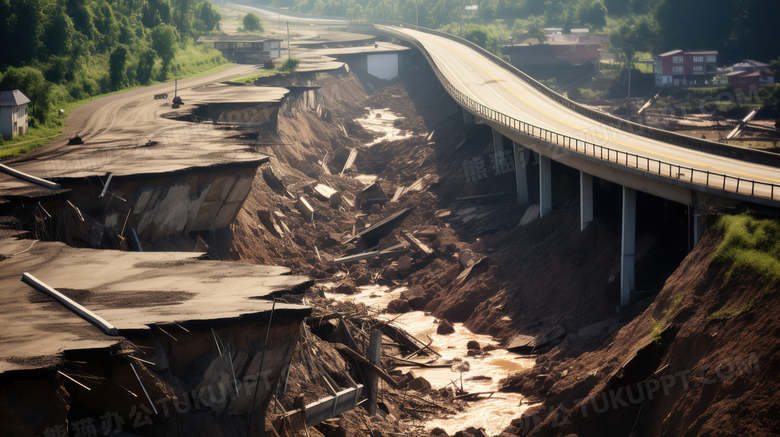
column 347, row 351
column 419, row 245
column 398, row 193
column 385, row 253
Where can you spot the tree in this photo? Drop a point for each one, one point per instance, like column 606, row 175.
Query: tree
column 252, row 23
column 117, row 67
column 164, row 38
column 535, row 29
column 209, row 15
column 143, row 72
column 34, row 85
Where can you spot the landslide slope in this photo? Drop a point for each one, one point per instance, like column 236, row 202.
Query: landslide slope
column 701, row 360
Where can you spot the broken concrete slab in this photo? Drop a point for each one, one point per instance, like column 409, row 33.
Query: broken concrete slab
column 304, row 207
column 417, row 244
column 531, row 214
column 328, row 194
column 382, row 228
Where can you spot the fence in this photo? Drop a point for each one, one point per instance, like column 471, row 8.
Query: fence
column 696, row 176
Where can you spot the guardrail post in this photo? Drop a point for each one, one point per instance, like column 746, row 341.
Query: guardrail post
column 627, row 246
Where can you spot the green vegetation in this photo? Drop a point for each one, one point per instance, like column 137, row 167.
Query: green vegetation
column 66, row 52
column 289, row 65
column 660, row 325
column 252, row 23
column 658, row 329
column 733, row 27
column 750, row 246
column 729, row 313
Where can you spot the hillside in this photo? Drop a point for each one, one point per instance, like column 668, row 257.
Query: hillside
column 701, row 360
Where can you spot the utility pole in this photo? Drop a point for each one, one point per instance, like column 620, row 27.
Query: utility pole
column 417, row 6
column 288, row 42
column 278, row 14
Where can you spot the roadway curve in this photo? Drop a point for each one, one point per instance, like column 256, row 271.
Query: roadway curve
column 106, row 118
column 479, row 78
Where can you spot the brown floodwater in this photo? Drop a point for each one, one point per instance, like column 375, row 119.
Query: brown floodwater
column 493, row 414
column 380, row 122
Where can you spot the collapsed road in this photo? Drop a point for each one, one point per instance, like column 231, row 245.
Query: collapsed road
column 365, row 251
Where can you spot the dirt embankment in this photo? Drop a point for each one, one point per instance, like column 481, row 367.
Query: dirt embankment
column 674, row 370
column 514, row 281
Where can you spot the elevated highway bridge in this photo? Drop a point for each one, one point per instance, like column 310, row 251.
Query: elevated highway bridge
column 683, row 169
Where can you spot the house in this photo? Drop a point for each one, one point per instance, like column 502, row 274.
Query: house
column 744, row 80
column 553, row 30
column 579, row 47
column 472, row 10
column 681, row 68
column 13, row 113
column 245, row 49
column 766, row 73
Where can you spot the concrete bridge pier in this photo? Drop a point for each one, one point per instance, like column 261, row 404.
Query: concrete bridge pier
column 521, row 173
column 699, row 225
column 468, row 118
column 586, row 199
column 498, row 146
column 545, row 185
column 627, row 246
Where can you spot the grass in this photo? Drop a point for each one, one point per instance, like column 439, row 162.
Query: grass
column 254, row 77
column 750, row 246
column 658, row 329
column 660, row 325
column 190, row 61
column 732, row 312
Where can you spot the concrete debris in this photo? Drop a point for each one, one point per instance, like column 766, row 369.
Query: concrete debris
column 417, row 244
column 272, row 178
column 385, row 253
column 373, row 194
column 379, row 230
column 328, row 194
column 350, row 160
column 305, row 208
column 531, row 214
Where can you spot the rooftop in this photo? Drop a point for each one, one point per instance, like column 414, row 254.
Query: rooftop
column 13, row 98
column 237, row 38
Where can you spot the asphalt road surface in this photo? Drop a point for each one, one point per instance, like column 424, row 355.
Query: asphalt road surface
column 483, row 81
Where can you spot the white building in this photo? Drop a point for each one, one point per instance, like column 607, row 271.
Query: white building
column 13, row 113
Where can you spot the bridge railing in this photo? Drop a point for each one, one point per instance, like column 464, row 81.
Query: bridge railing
column 719, row 181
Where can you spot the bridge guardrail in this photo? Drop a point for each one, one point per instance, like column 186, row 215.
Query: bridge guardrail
column 755, row 156
column 659, row 167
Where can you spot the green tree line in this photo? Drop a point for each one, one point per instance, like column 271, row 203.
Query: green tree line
column 58, row 51
column 738, row 29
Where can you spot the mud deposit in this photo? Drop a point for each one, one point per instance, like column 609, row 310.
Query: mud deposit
column 495, row 411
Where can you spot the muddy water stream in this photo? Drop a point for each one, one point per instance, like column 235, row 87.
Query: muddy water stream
column 493, row 414
column 381, row 123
